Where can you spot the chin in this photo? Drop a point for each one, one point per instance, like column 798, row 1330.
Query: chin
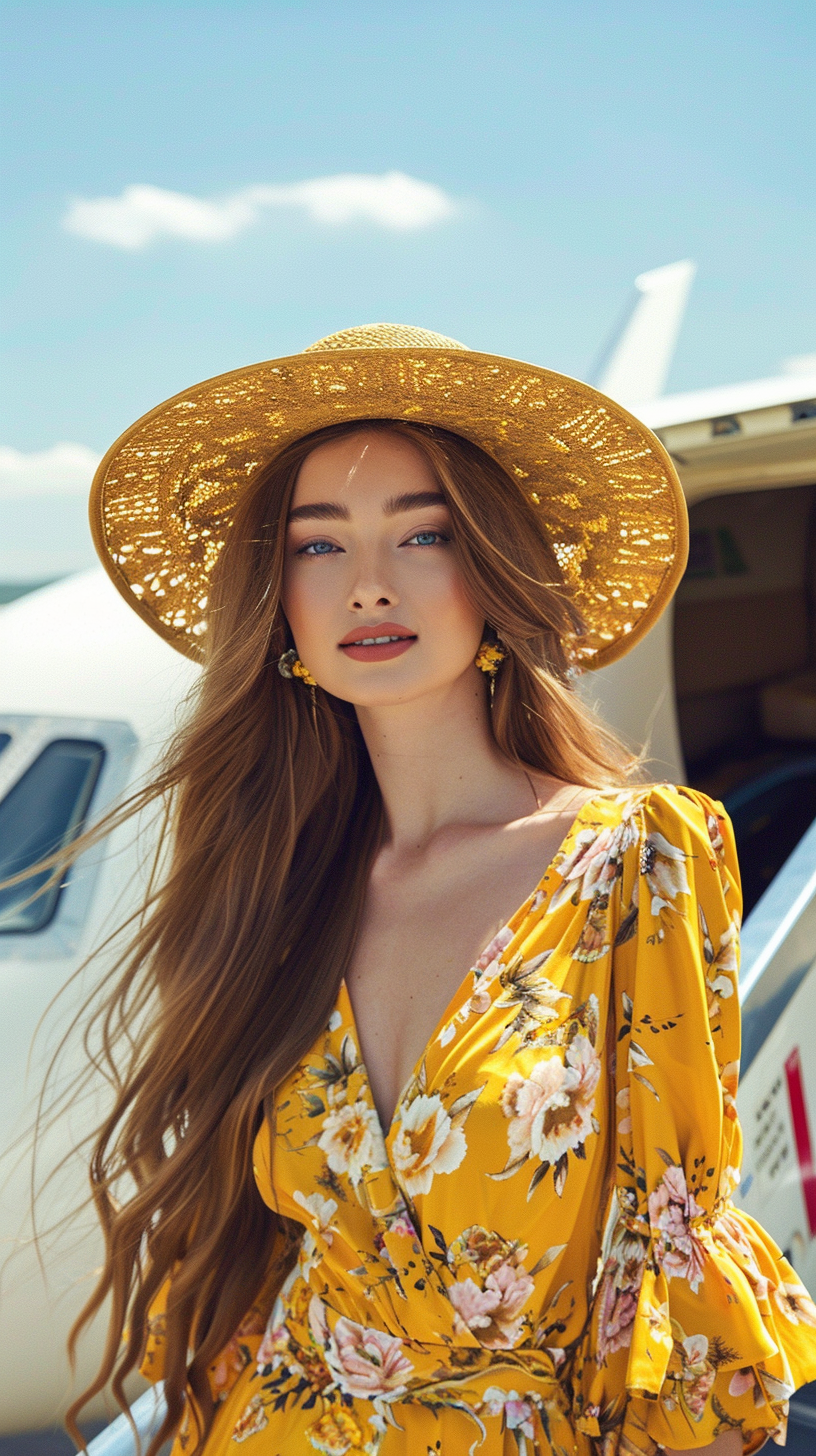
column 388, row 695
column 384, row 697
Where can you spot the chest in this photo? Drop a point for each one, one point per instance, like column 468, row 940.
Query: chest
column 423, row 927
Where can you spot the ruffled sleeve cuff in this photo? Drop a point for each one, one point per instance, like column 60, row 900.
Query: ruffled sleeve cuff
column 699, row 1326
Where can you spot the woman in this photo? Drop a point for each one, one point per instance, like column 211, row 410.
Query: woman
column 354, row 1198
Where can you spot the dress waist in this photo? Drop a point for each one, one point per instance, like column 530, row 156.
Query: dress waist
column 353, row 1360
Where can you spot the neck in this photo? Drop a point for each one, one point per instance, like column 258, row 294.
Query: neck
column 437, row 764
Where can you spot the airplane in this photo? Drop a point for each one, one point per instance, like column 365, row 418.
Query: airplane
column 723, row 691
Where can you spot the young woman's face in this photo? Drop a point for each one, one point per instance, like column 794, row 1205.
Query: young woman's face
column 372, row 590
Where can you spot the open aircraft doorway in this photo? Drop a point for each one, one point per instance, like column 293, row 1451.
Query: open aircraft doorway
column 745, row 669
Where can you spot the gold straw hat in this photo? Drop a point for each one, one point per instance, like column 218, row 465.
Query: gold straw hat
column 163, row 497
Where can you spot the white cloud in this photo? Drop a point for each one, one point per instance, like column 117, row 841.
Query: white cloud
column 142, row 213
column 65, row 469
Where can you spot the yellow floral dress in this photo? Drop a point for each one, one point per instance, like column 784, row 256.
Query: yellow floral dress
column 541, row 1256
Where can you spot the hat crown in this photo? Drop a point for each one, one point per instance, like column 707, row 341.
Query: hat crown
column 384, row 336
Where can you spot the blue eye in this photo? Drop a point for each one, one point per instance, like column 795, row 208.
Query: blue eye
column 317, row 548
column 427, row 538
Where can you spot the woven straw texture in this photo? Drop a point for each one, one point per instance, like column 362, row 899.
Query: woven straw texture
column 163, row 496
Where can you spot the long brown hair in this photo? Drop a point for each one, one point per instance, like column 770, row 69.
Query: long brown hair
column 272, row 818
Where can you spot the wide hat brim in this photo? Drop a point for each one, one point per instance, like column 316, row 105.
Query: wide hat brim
column 163, row 496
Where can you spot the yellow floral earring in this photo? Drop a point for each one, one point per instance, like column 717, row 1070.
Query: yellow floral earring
column 290, row 665
column 489, row 659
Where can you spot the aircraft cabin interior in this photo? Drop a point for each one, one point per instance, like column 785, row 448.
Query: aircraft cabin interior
column 745, row 668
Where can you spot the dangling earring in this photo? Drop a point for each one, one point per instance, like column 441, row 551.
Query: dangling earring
column 290, row 665
column 489, row 659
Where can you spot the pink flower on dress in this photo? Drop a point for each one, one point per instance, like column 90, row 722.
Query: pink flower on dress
column 364, row 1362
column 550, row 1111
column 492, row 1313
column 618, row 1308
column 743, row 1382
column 518, row 1413
column 402, row 1225
column 619, row 1293
column 491, row 952
column 589, row 869
column 274, row 1344
column 678, row 1248
column 232, row 1359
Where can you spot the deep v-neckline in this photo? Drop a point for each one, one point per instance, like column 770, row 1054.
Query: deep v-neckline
column 515, row 920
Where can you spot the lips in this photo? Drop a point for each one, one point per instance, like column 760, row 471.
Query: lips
column 377, row 643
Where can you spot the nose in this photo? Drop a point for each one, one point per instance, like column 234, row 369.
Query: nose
column 371, row 589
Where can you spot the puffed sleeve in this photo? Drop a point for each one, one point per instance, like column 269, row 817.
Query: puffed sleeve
column 698, row 1324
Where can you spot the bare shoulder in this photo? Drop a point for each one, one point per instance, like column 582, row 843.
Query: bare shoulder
column 560, row 803
column 559, row 806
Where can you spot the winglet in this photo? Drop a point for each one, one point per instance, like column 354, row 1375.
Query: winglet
column 635, row 366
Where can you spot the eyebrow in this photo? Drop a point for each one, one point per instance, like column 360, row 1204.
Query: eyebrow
column 330, row 511
column 323, row 511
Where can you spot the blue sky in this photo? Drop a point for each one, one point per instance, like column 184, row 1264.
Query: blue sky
column 577, row 145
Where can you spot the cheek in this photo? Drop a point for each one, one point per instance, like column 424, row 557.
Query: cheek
column 308, row 598
column 444, row 592
column 452, row 623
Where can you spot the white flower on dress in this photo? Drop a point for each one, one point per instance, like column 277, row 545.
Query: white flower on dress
column 663, row 866
column 795, row 1303
column 352, row 1140
column 730, row 1179
column 722, row 965
column 698, row 1374
column 623, row 1104
column 484, row 971
column 365, row 1363
column 251, row 1421
column 729, row 1080
column 320, row 1210
column 426, row 1143
column 715, row 835
column 479, row 1002
column 550, row 1111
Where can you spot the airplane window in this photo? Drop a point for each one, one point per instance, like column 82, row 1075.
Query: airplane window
column 42, row 812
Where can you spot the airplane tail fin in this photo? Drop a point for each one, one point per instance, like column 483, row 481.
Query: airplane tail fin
column 635, row 365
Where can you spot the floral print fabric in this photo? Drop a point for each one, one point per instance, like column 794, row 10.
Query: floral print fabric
column 541, row 1255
